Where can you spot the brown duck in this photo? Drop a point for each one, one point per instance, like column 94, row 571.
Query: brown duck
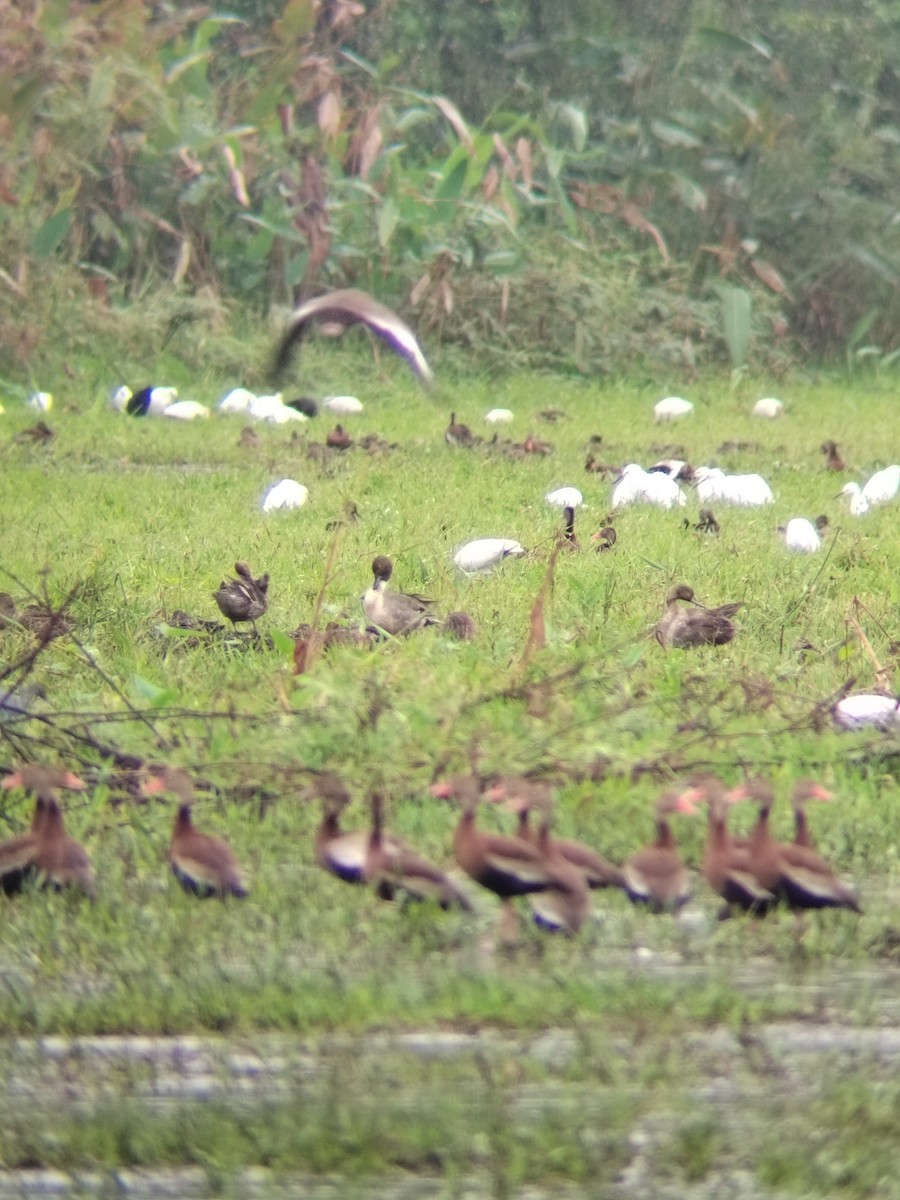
column 244, row 598
column 343, row 853
column 61, row 861
column 457, row 434
column 566, row 904
column 522, row 795
column 656, row 876
column 338, row 438
column 727, row 867
column 393, row 870
column 833, row 460
column 18, row 855
column 204, row 865
column 794, row 873
column 698, row 626
column 506, row 866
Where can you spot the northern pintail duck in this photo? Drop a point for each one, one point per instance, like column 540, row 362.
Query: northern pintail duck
column 698, row 626
column 394, row 612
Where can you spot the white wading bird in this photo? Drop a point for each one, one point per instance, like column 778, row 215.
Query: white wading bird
column 856, row 712
column 484, row 553
column 637, row 486
column 746, row 491
column 565, row 497
column 880, row 489
column 671, row 408
column 767, row 407
column 344, row 308
column 286, row 494
column 802, row 536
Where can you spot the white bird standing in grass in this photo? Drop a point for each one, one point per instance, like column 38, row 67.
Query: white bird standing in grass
column 338, row 311
column 802, row 536
column 286, row 494
column 637, row 486
column 744, row 491
column 484, row 553
column 671, row 408
column 880, row 489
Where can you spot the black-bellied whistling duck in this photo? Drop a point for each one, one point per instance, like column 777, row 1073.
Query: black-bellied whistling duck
column 390, row 869
column 504, row 865
column 244, row 598
column 522, row 795
column 18, row 855
column 726, row 862
column 656, row 876
column 394, row 612
column 61, row 861
column 566, row 904
column 343, row 853
column 794, row 873
column 204, row 865
column 685, row 627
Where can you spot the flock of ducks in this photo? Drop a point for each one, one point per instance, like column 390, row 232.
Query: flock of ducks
column 753, row 874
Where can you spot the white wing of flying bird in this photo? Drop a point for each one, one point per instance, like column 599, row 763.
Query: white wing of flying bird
column 352, row 307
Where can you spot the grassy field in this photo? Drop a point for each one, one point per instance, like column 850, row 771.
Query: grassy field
column 141, row 518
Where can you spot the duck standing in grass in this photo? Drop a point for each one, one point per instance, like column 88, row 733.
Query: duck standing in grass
column 244, row 598
column 656, row 876
column 204, row 865
column 394, row 612
column 19, row 855
column 458, row 434
column 699, row 626
column 727, row 867
column 342, row 853
column 504, row 865
column 794, row 873
column 394, row 870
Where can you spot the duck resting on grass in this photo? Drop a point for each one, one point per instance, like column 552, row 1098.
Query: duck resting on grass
column 699, row 626
column 244, row 598
column 394, row 612
column 204, row 865
column 337, row 311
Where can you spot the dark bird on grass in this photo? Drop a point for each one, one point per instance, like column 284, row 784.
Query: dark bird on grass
column 394, row 612
column 61, row 861
column 533, row 445
column 569, row 539
column 707, row 522
column 522, row 796
column 249, row 438
column 698, row 626
column 338, row 438
column 461, row 626
column 396, row 872
column 458, row 434
column 565, row 905
column 18, row 855
column 45, row 622
column 796, row 874
column 305, row 405
column 36, row 433
column 506, row 866
column 656, row 876
column 833, row 460
column 727, row 866
column 244, row 598
column 204, row 865
column 605, row 538
column 552, row 414
column 338, row 311
column 342, row 853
